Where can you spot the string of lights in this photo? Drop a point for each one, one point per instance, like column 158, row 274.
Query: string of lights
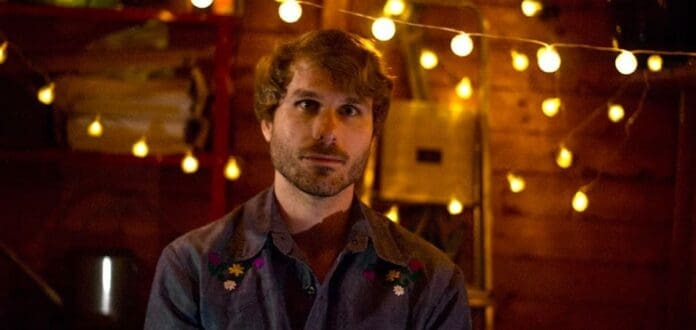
column 384, row 28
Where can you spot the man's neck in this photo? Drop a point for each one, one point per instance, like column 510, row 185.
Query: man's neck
column 301, row 211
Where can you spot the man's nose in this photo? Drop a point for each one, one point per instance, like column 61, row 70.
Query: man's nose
column 325, row 125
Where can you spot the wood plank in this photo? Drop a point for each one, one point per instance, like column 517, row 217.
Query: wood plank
column 537, row 152
column 517, row 313
column 550, row 195
column 577, row 282
column 590, row 240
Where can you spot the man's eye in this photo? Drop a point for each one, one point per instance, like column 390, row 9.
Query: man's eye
column 349, row 111
column 309, row 105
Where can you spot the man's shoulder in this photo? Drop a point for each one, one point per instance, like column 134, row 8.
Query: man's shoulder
column 413, row 247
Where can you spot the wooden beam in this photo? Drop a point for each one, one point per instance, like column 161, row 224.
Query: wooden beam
column 331, row 17
column 680, row 271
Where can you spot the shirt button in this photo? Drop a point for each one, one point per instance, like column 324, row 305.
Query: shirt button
column 310, row 290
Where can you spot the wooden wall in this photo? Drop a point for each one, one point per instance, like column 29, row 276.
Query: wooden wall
column 612, row 266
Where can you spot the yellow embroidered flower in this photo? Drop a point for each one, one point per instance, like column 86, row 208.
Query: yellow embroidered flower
column 393, row 275
column 236, row 270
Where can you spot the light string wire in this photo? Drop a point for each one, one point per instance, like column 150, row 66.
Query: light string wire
column 509, row 38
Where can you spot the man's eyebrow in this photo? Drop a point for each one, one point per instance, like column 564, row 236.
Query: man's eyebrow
column 305, row 93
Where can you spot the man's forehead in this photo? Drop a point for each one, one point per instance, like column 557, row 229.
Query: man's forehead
column 309, row 80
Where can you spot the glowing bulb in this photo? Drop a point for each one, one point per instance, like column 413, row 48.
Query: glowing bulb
column 531, row 8
column 615, row 112
column 394, row 7
column 462, row 45
column 46, row 94
column 232, row 170
column 551, row 106
column 654, row 63
column 3, row 52
column 428, row 59
column 455, row 207
column 393, row 213
column 520, row 62
column 626, row 62
column 140, row 148
column 189, row 164
column 383, row 29
column 464, row 89
column 516, row 182
column 95, row 128
column 564, row 158
column 201, row 4
column 548, row 59
column 580, row 201
column 290, row 11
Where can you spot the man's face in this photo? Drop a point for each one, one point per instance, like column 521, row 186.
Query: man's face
column 320, row 135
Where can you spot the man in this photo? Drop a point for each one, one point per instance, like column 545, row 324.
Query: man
column 306, row 253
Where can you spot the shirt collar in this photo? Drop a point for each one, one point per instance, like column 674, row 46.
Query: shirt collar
column 259, row 219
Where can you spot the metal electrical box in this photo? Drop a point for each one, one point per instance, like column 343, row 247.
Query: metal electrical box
column 427, row 153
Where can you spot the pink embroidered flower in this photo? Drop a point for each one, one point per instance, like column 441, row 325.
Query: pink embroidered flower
column 415, row 265
column 214, row 259
column 393, row 275
column 258, row 262
column 230, row 285
column 369, row 274
column 399, row 290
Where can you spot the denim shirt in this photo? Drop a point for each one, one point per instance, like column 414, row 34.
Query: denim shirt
column 239, row 273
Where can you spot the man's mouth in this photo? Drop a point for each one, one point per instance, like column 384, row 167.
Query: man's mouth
column 324, row 159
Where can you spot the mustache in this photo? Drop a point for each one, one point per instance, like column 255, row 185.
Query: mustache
column 325, row 150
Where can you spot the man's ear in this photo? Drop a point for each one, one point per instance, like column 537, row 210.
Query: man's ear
column 266, row 129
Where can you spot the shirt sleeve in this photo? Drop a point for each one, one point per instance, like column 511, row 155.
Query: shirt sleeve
column 173, row 302
column 451, row 310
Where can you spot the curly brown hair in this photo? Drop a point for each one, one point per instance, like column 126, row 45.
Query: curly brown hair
column 354, row 64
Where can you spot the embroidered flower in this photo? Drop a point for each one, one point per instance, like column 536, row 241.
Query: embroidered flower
column 399, row 290
column 236, row 270
column 230, row 285
column 258, row 263
column 399, row 279
column 415, row 265
column 214, row 259
column 393, row 275
column 369, row 274
column 231, row 274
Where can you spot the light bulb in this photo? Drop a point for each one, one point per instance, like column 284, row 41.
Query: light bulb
column 428, row 59
column 548, row 59
column 46, row 94
column 564, row 158
column 580, row 201
column 615, row 112
column 464, row 89
column 232, row 170
column 655, row 63
column 626, row 63
column 550, row 106
column 290, row 11
column 520, row 61
column 201, row 4
column 516, row 182
column 3, row 52
column 95, row 128
column 455, row 207
column 462, row 45
column 531, row 8
column 393, row 213
column 189, row 164
column 394, row 7
column 140, row 148
column 383, row 29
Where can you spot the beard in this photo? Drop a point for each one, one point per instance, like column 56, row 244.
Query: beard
column 319, row 181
